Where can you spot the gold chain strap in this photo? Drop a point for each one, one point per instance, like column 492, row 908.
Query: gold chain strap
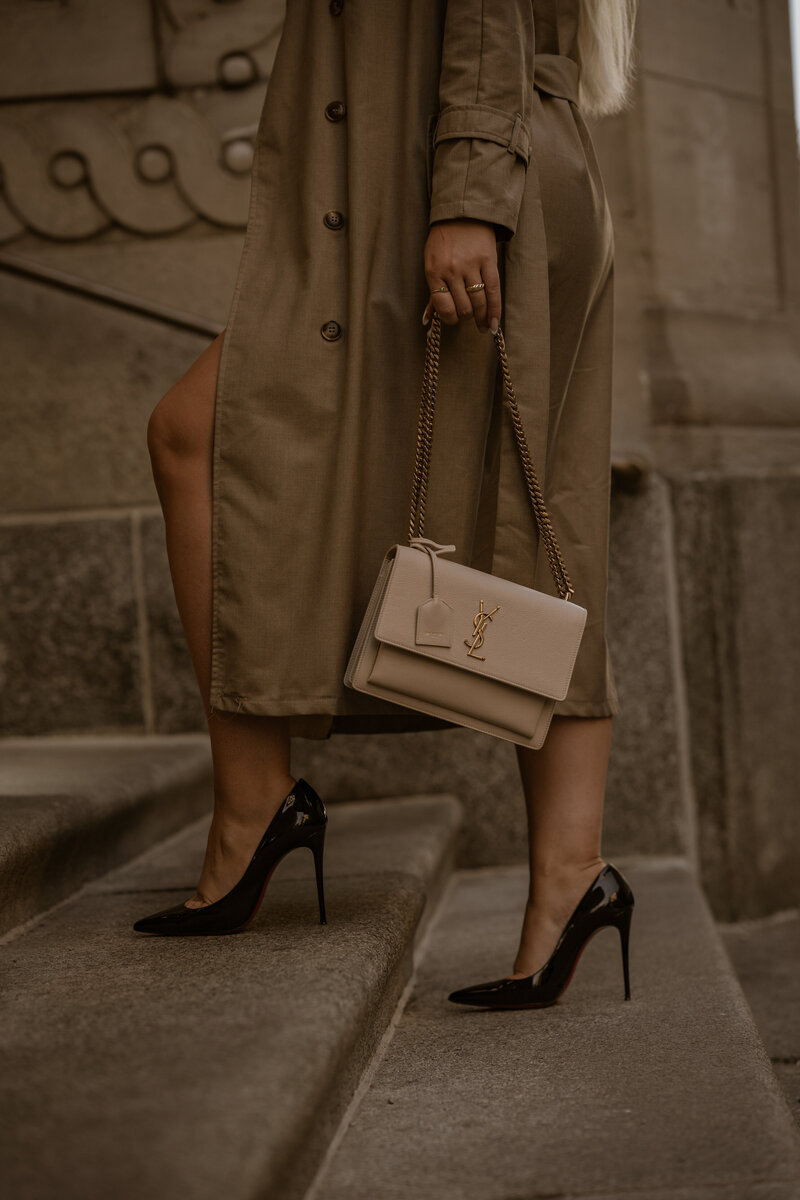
column 419, row 487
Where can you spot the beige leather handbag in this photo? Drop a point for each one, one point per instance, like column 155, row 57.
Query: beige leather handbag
column 469, row 647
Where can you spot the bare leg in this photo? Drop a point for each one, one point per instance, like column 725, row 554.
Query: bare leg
column 564, row 785
column 251, row 755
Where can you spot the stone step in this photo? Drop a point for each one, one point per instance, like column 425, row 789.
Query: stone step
column 668, row 1095
column 71, row 808
column 765, row 953
column 149, row 1068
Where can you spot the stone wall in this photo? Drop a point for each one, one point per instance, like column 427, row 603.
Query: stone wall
column 125, row 145
column 126, row 140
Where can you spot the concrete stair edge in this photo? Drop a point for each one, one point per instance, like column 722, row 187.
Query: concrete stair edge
column 354, row 1060
column 745, row 1012
column 386, row 863
column 72, row 809
column 727, row 969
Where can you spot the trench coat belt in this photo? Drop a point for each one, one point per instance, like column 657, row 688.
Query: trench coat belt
column 557, row 74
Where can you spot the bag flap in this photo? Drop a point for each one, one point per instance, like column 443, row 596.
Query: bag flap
column 530, row 641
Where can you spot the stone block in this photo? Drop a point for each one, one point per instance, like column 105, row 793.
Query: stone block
column 80, row 381
column 83, row 46
column 728, row 369
column 68, row 627
column 646, row 804
column 191, row 275
column 710, row 188
column 480, row 770
column 71, row 808
column 630, row 431
column 682, row 450
column 716, row 43
column 739, row 579
column 766, row 956
column 177, row 706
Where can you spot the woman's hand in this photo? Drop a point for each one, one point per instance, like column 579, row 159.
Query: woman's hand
column 459, row 252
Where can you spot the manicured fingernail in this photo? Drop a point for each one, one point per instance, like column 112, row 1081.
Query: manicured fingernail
column 425, row 317
column 495, row 323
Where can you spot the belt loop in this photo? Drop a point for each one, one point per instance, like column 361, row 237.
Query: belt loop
column 513, row 143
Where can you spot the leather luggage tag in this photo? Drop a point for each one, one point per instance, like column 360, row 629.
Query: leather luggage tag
column 434, row 623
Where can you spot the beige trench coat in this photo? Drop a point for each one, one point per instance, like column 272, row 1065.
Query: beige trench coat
column 382, row 116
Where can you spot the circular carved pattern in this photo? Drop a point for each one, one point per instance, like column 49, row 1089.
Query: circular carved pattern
column 238, row 155
column 237, row 70
column 331, row 330
column 67, row 169
column 154, row 164
column 152, row 175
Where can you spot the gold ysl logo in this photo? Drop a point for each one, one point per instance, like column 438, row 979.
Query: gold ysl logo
column 479, row 622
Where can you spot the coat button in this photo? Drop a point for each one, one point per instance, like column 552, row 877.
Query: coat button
column 331, row 330
column 335, row 7
column 334, row 219
column 335, row 110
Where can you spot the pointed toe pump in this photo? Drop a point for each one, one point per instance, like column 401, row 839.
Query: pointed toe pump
column 300, row 821
column 607, row 901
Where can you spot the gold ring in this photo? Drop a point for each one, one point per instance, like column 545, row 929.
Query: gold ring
column 442, row 289
column 475, row 287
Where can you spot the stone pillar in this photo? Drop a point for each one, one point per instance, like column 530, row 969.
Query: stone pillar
column 704, row 172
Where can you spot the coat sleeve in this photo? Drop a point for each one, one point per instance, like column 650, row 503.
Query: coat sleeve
column 482, row 139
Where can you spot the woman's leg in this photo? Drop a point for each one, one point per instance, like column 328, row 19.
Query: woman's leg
column 251, row 755
column 564, row 786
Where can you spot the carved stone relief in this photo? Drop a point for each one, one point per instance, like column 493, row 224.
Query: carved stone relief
column 79, row 47
column 72, row 170
column 232, row 44
column 153, row 164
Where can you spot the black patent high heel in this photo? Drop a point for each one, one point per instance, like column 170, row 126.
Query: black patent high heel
column 607, row 901
column 300, row 821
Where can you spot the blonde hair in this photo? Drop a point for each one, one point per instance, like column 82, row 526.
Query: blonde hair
column 606, row 53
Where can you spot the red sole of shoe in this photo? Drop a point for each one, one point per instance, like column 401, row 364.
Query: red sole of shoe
column 257, row 906
column 254, row 913
column 239, row 928
column 548, row 1003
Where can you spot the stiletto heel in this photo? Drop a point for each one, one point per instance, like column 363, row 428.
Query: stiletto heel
column 317, row 844
column 300, row 821
column 607, row 901
column 624, row 927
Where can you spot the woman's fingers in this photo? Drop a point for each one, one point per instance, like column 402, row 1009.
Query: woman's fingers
column 461, row 297
column 443, row 302
column 478, row 301
column 493, row 294
column 460, row 303
column 460, row 253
